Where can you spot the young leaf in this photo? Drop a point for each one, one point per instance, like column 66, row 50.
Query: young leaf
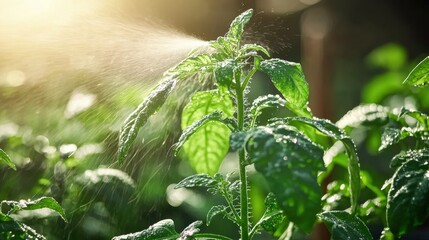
column 5, row 159
column 198, row 180
column 273, row 216
column 329, row 129
column 140, row 116
column 267, row 101
column 345, row 226
column 419, row 76
column 253, row 47
column 162, row 230
column 289, row 79
column 207, row 147
column 408, row 197
column 278, row 152
column 236, row 28
column 43, row 202
column 215, row 210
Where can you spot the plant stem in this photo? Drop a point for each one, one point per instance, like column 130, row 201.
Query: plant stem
column 241, row 154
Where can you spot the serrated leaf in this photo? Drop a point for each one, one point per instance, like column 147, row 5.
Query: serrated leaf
column 140, row 116
column 190, row 230
column 215, row 210
column 43, row 202
column 207, row 147
column 331, row 130
column 197, row 180
column 193, row 128
column 5, row 159
column 289, row 79
column 278, row 152
column 368, row 114
column 162, row 230
column 236, row 28
column 419, row 76
column 408, row 197
column 344, row 226
column 273, row 216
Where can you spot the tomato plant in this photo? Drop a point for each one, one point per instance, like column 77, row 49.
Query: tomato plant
column 294, row 154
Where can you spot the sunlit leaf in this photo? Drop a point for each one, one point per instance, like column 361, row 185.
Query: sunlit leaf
column 197, row 180
column 43, row 202
column 254, row 47
column 408, row 198
column 331, row 130
column 237, row 25
column 419, row 76
column 5, row 159
column 140, row 116
column 162, row 230
column 289, row 79
column 207, row 147
column 343, row 226
column 277, row 152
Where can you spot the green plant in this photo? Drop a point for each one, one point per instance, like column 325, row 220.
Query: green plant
column 288, row 151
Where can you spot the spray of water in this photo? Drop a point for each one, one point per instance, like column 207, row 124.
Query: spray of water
column 109, row 55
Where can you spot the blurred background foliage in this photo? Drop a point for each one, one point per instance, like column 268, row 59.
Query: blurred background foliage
column 59, row 124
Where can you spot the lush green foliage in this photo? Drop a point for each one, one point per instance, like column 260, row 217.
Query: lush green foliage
column 292, row 155
column 289, row 152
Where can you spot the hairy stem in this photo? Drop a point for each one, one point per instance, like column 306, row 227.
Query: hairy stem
column 241, row 154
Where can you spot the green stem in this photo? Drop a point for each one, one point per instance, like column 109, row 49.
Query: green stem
column 241, row 154
column 210, row 236
column 248, row 77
